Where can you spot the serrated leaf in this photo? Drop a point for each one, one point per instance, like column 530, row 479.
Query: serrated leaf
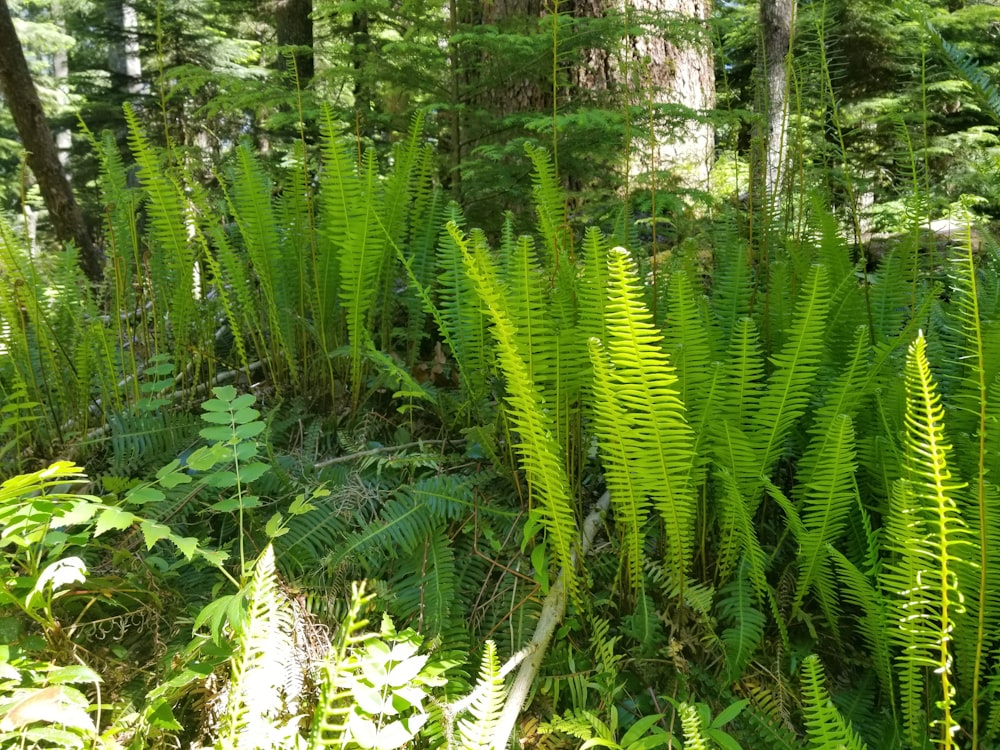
column 245, row 416
column 253, row 471
column 175, row 479
column 153, row 532
column 273, row 526
column 187, row 545
column 221, row 479
column 74, row 673
column 243, row 401
column 113, row 519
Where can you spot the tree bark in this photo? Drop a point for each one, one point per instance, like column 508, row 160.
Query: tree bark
column 294, row 28
column 776, row 27
column 669, row 71
column 43, row 158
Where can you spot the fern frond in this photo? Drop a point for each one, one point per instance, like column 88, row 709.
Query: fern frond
column 828, row 499
column 790, row 386
column 825, row 726
column 173, row 258
column 540, row 455
column 744, row 623
column 650, row 448
column 549, row 203
column 477, row 733
column 329, row 721
column 425, row 584
column 930, row 541
column 265, row 653
column 873, row 622
column 460, row 311
column 252, row 207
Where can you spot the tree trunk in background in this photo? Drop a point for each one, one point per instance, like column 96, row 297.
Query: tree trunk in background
column 123, row 54
column 667, row 71
column 60, row 76
column 43, row 159
column 294, row 27
column 363, row 95
column 771, row 149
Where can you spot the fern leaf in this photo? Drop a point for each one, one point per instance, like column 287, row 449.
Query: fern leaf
column 651, row 441
column 790, row 386
column 825, row 726
column 540, row 455
column 930, row 539
column 745, row 624
column 265, row 653
column 477, row 733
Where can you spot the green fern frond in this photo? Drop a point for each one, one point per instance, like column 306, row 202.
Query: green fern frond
column 744, row 623
column 540, row 455
column 982, row 87
column 930, row 540
column 425, row 584
column 490, row 692
column 650, row 447
column 265, row 652
column 825, row 726
column 744, row 374
column 790, row 386
column 592, row 284
column 252, row 207
column 329, row 721
column 687, row 342
column 549, row 203
column 873, row 622
column 829, row 496
column 173, row 258
column 461, row 316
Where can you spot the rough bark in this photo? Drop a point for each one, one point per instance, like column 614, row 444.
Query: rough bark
column 294, row 27
column 776, row 28
column 43, row 158
column 667, row 71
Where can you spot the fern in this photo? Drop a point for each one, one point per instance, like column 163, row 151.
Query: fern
column 476, row 733
column 258, row 694
column 929, row 538
column 173, row 258
column 539, row 452
column 744, row 624
column 649, row 446
column 825, row 726
column 789, row 387
column 250, row 201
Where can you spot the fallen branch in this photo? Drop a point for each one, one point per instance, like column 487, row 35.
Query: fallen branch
column 552, row 613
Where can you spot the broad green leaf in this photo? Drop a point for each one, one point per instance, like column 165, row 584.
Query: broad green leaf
column 113, row 519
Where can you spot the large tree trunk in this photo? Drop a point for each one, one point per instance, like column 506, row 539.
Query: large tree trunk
column 676, row 71
column 43, row 158
column 294, row 28
column 776, row 28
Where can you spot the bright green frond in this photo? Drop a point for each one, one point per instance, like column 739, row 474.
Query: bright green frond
column 825, row 726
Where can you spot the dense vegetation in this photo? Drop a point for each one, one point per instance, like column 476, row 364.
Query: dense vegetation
column 341, row 453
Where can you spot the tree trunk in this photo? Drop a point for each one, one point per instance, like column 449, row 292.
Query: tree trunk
column 123, row 54
column 680, row 72
column 294, row 28
column 776, row 28
column 43, row 159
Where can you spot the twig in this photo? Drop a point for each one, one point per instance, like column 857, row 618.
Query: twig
column 381, row 449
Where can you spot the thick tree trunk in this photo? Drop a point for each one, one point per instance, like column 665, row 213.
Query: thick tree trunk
column 43, row 158
column 776, row 27
column 668, row 71
column 294, row 28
